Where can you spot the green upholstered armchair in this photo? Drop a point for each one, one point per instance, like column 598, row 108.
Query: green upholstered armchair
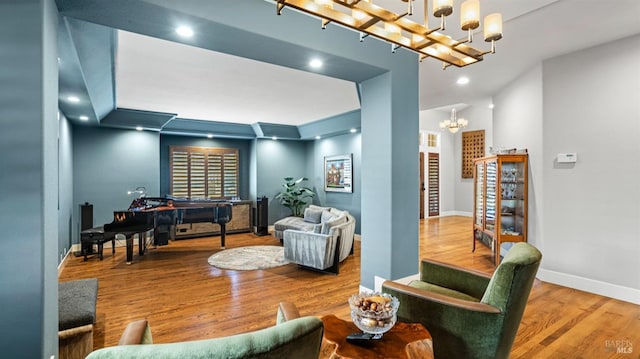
column 292, row 337
column 470, row 314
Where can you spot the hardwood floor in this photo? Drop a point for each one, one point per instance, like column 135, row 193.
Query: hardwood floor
column 184, row 298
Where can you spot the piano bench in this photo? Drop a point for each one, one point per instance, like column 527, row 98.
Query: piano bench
column 97, row 236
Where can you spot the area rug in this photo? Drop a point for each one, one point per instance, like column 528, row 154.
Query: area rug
column 249, row 258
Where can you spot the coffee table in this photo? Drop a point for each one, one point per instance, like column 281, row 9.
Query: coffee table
column 404, row 340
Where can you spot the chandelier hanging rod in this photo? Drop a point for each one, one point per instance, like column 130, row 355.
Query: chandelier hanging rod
column 370, row 19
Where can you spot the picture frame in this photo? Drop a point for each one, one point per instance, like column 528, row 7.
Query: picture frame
column 338, row 173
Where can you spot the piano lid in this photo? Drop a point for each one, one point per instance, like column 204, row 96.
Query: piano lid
column 146, row 203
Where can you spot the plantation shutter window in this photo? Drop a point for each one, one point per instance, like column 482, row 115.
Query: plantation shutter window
column 202, row 172
column 229, row 171
column 214, row 175
column 179, row 173
column 434, row 184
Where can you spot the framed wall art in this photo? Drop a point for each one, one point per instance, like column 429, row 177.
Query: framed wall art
column 338, row 173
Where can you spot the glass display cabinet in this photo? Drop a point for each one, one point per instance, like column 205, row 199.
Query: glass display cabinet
column 500, row 201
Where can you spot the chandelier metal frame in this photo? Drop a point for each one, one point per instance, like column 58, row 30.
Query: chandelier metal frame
column 370, row 19
column 453, row 124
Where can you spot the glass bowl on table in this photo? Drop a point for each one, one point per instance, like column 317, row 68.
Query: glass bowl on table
column 374, row 313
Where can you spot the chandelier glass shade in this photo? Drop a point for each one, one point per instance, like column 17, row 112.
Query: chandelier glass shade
column 454, row 124
column 370, row 19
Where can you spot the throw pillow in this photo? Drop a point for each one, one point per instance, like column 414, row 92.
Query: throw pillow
column 326, row 216
column 312, row 215
column 326, row 226
column 313, row 206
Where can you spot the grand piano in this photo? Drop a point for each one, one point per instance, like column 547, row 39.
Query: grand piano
column 161, row 214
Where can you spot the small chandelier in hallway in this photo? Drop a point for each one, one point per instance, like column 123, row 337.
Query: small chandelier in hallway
column 454, row 124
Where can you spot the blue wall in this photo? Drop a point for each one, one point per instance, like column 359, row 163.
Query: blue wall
column 390, row 175
column 276, row 160
column 109, row 162
column 338, row 145
column 243, row 146
column 65, row 187
column 29, row 179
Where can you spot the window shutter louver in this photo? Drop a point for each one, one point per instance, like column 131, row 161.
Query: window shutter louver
column 434, row 184
column 230, row 170
column 200, row 172
column 179, row 177
column 215, row 176
column 197, row 177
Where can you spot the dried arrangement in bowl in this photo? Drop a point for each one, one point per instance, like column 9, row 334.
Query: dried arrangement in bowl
column 374, row 313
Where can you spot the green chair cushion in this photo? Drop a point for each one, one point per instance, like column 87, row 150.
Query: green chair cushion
column 442, row 290
column 298, row 338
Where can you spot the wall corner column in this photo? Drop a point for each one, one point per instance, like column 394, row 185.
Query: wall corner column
column 390, row 178
column 29, row 183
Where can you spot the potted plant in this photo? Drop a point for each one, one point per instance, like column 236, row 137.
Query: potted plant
column 294, row 194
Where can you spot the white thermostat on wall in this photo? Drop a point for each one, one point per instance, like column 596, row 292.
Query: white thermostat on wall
column 567, row 157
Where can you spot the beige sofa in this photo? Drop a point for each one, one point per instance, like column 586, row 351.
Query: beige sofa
column 320, row 240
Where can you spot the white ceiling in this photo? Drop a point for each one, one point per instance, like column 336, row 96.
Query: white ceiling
column 202, row 84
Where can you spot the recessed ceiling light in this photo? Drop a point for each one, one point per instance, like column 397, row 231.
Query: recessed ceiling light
column 139, row 128
column 491, row 105
column 274, row 138
column 84, row 118
column 210, row 135
column 463, row 81
column 318, row 137
column 73, row 99
column 315, row 63
column 184, row 31
column 353, row 130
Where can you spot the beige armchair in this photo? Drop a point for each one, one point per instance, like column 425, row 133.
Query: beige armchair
column 324, row 249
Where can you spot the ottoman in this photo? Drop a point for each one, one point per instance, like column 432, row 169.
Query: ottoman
column 76, row 316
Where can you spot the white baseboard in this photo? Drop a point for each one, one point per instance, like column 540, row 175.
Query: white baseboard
column 626, row 294
column 377, row 281
column 63, row 262
column 566, row 280
column 364, row 289
column 454, row 213
column 77, row 248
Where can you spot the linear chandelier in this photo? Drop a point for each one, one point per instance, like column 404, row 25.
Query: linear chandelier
column 370, row 19
column 454, row 123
